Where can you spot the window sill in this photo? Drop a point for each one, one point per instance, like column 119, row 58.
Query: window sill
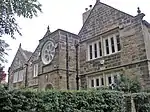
column 98, row 87
column 112, row 54
column 103, row 56
column 35, row 77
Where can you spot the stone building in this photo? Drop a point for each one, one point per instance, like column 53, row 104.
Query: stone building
column 18, row 68
column 46, row 67
column 111, row 43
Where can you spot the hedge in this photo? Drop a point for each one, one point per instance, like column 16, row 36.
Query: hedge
column 71, row 101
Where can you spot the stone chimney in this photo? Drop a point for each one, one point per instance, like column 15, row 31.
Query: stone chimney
column 87, row 13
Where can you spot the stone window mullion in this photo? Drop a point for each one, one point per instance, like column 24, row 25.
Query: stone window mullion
column 115, row 43
column 95, row 50
column 109, row 43
column 88, row 52
column 98, row 49
column 17, row 76
column 104, row 43
column 93, row 54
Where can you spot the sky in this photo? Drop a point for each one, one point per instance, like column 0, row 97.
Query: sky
column 66, row 15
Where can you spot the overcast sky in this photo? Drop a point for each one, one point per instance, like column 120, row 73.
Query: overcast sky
column 67, row 15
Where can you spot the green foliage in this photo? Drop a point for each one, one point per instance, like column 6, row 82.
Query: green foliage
column 128, row 85
column 71, row 101
column 142, row 102
column 5, row 102
column 9, row 10
column 61, row 101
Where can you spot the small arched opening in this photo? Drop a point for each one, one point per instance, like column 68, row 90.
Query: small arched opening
column 49, row 87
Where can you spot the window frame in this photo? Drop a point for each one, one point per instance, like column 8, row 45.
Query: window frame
column 112, row 77
column 115, row 44
column 20, row 74
column 94, row 79
column 15, row 77
column 112, row 47
column 91, row 50
column 35, row 70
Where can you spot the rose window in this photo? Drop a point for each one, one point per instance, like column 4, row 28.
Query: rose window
column 48, row 52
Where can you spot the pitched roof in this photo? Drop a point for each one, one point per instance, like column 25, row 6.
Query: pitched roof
column 102, row 4
column 26, row 54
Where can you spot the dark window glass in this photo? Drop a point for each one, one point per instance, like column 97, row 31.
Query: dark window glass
column 109, row 80
column 118, row 43
column 97, row 82
column 112, row 45
column 92, row 83
column 102, row 81
column 107, row 46
column 90, row 51
column 95, row 50
column 100, row 49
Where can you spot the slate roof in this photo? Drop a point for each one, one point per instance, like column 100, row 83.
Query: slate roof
column 26, row 54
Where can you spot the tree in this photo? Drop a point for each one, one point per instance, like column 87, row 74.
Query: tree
column 9, row 10
column 128, row 85
column 2, row 74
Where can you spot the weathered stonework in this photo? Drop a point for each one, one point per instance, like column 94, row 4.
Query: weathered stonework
column 54, row 74
column 131, row 60
column 101, row 21
column 18, row 65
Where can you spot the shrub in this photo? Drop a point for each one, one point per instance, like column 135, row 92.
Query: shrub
column 5, row 102
column 142, row 102
column 72, row 101
column 128, row 85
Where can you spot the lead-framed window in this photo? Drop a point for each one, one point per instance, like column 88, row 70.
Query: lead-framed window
column 112, row 78
column 111, row 44
column 95, row 50
column 107, row 45
column 18, row 76
column 96, row 81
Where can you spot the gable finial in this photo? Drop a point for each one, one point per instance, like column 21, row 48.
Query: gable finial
column 20, row 45
column 48, row 27
column 140, row 15
column 138, row 10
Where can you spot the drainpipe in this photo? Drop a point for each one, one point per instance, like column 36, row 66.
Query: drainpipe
column 77, row 68
column 67, row 63
column 26, row 75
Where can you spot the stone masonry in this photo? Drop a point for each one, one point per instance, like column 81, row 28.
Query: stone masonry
column 133, row 57
column 99, row 22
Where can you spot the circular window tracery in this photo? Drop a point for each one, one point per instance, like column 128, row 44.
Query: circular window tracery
column 48, row 52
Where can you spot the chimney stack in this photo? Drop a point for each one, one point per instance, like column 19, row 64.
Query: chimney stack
column 87, row 13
